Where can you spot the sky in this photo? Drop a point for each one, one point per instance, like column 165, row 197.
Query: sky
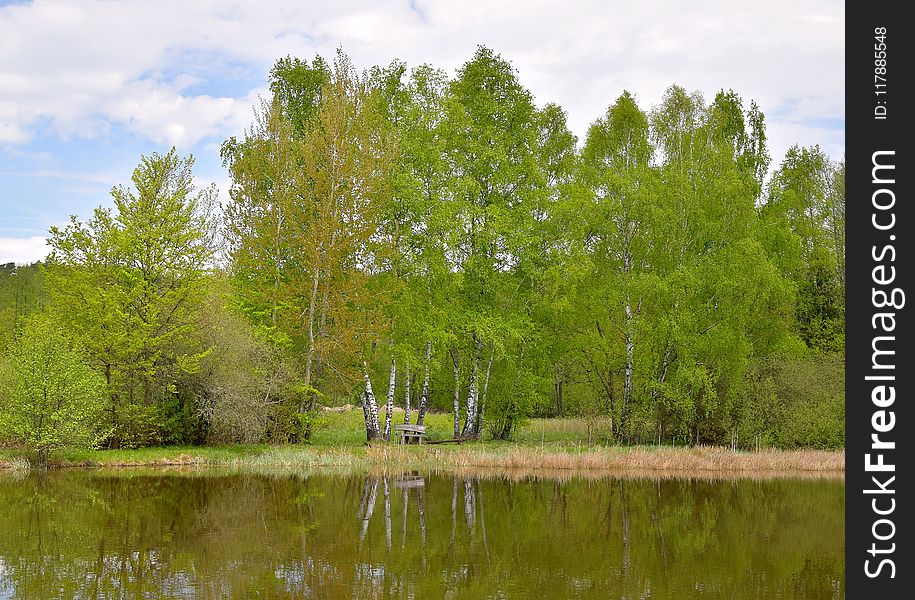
column 87, row 87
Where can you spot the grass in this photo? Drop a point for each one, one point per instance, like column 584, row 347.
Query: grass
column 543, row 446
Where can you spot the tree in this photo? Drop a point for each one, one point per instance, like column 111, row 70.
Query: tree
column 129, row 284
column 680, row 293
column 22, row 292
column 49, row 395
column 616, row 168
column 416, row 271
column 719, row 300
column 497, row 185
column 306, row 199
column 805, row 215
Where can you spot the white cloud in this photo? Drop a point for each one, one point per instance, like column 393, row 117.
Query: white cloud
column 106, row 178
column 76, row 68
column 22, row 250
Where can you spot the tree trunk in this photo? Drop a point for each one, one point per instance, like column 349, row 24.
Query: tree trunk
column 43, row 453
column 627, row 381
column 370, row 407
column 457, row 394
column 366, row 414
column 509, row 422
column 406, row 407
column 424, row 398
column 470, row 421
column 389, row 407
column 670, row 355
column 310, row 353
column 316, row 368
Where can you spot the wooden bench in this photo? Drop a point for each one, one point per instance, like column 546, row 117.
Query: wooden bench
column 408, row 433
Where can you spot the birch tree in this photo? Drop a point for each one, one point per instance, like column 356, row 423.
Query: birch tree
column 492, row 137
column 616, row 168
column 328, row 182
column 805, row 212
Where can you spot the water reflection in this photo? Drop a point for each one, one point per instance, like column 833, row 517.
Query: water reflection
column 213, row 535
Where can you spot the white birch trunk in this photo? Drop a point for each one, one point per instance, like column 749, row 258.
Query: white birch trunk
column 669, row 357
column 406, row 402
column 424, row 396
column 630, row 348
column 470, row 424
column 389, row 407
column 470, row 421
column 372, row 426
column 367, row 414
column 457, row 395
column 310, row 353
column 630, row 358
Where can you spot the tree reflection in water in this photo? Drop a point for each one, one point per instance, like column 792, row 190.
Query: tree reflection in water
column 215, row 535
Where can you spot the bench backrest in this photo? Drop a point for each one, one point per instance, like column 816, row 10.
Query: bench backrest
column 411, row 428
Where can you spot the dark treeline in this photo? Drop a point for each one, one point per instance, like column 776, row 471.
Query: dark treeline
column 451, row 244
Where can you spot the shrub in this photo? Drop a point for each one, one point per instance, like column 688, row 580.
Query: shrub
column 49, row 396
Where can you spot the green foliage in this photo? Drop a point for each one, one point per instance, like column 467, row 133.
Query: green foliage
column 805, row 235
column 511, row 402
column 309, row 182
column 794, row 400
column 22, row 293
column 49, row 396
column 448, row 225
column 129, row 284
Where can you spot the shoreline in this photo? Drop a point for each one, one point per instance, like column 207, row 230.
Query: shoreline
column 476, row 458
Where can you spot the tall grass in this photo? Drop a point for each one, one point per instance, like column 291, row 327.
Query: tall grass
column 546, row 445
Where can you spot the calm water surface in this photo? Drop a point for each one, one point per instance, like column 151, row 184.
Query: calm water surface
column 214, row 535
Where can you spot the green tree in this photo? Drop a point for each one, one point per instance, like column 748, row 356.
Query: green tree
column 22, row 292
column 616, row 169
column 305, row 203
column 497, row 186
column 805, row 217
column 680, row 294
column 129, row 284
column 49, row 395
column 416, row 271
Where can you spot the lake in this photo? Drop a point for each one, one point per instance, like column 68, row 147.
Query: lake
column 216, row 534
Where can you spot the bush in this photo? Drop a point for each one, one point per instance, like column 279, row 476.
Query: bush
column 49, row 396
column 795, row 401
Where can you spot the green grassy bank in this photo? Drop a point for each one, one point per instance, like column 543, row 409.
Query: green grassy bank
column 541, row 445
